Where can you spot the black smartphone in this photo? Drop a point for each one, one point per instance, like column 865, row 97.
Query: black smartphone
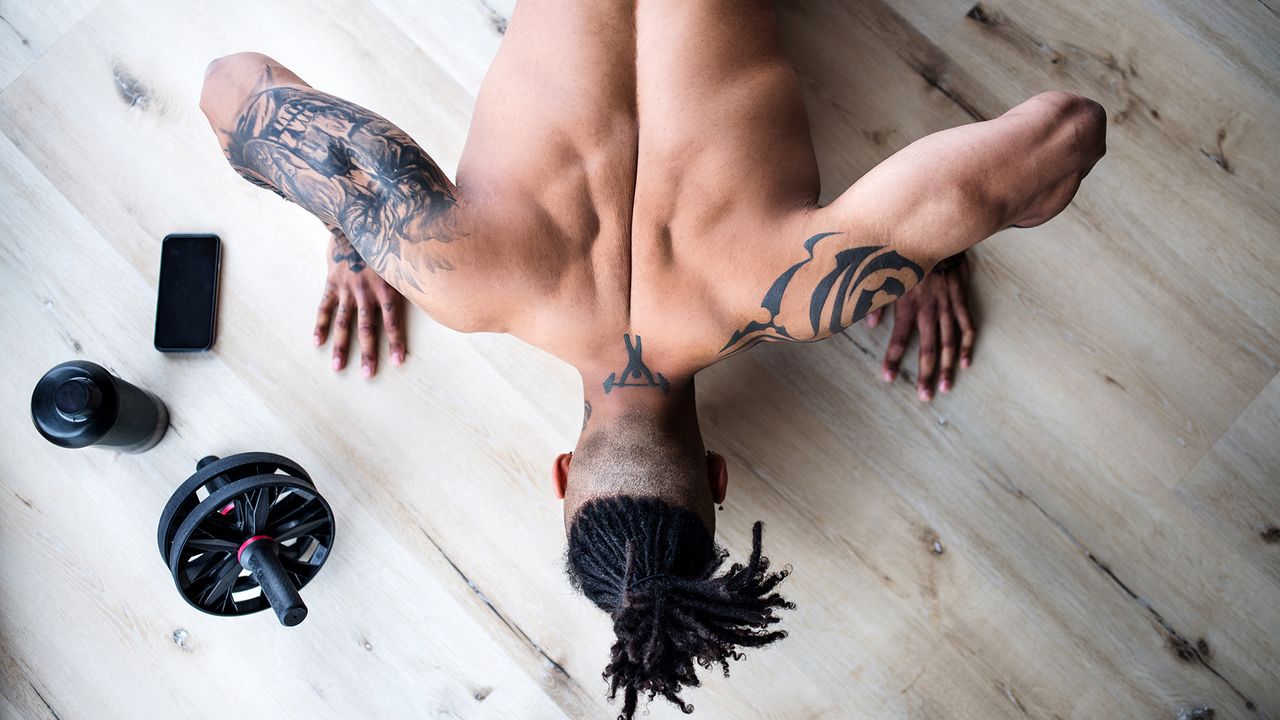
column 187, row 306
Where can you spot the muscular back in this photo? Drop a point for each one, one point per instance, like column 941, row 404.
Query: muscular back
column 643, row 173
column 638, row 147
column 657, row 157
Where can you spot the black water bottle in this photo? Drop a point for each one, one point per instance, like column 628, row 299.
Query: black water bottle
column 79, row 403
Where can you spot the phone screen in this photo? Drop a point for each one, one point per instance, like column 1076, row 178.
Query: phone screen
column 188, row 293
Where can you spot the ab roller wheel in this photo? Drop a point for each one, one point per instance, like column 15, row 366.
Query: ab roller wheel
column 245, row 532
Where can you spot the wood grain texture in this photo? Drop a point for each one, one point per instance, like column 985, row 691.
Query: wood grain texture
column 1233, row 487
column 28, row 29
column 1077, row 531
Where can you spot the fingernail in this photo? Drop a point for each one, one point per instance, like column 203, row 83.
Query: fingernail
column 889, row 375
column 316, row 339
column 337, row 363
column 366, row 370
column 945, row 386
column 925, row 395
column 964, row 362
column 397, row 357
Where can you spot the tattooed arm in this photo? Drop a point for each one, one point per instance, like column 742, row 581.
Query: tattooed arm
column 933, row 199
column 346, row 165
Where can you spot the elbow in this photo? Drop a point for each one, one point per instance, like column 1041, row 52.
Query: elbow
column 1073, row 138
column 1078, row 123
column 1088, row 122
column 228, row 80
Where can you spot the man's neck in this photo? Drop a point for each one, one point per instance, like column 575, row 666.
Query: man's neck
column 670, row 407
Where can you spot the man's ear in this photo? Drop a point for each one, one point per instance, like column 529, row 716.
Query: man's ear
column 717, row 476
column 560, row 473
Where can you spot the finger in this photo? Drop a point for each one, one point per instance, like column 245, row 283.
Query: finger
column 328, row 302
column 898, row 340
column 342, row 330
column 364, row 332
column 392, row 321
column 927, row 325
column 960, row 309
column 873, row 318
column 947, row 346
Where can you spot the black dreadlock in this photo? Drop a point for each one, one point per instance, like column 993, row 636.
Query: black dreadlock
column 652, row 566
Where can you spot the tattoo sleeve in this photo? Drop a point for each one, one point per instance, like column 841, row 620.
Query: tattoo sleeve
column 355, row 171
column 830, row 289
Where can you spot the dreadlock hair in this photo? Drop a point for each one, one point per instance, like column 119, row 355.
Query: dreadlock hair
column 652, row 566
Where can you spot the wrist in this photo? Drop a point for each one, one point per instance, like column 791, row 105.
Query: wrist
column 951, row 262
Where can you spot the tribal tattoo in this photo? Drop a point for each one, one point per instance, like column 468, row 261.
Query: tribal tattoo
column 825, row 293
column 353, row 169
column 636, row 373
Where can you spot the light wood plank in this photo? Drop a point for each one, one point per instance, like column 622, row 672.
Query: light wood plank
column 461, row 38
column 517, row 698
column 8, row 711
column 1235, row 489
column 28, row 29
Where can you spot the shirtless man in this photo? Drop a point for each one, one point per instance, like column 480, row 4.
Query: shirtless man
column 638, row 197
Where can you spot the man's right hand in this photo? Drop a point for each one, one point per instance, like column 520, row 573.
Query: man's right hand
column 937, row 308
column 353, row 290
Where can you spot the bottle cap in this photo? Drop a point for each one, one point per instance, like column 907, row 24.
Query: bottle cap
column 77, row 398
column 75, row 404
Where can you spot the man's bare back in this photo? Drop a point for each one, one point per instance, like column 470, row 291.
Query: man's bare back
column 648, row 171
column 639, row 197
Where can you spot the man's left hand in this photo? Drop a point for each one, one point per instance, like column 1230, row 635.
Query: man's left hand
column 354, row 291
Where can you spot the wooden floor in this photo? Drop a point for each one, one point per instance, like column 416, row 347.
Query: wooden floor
column 1085, row 528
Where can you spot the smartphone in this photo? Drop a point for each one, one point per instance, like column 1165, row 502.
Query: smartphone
column 187, row 306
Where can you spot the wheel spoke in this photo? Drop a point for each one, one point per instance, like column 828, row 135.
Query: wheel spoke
column 260, row 506
column 213, row 545
column 297, row 567
column 220, row 528
column 200, row 566
column 303, row 528
column 203, row 586
column 221, row 589
column 288, row 509
column 310, row 511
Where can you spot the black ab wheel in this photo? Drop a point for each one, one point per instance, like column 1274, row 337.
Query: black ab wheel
column 246, row 532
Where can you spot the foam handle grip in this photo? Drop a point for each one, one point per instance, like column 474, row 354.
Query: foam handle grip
column 259, row 557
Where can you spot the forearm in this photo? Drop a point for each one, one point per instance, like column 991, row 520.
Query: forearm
column 946, row 192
